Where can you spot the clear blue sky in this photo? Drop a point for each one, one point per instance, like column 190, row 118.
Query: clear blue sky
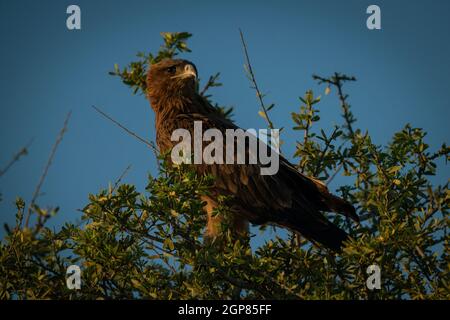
column 403, row 74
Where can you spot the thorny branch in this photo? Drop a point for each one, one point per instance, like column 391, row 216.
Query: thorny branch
column 324, row 152
column 16, row 157
column 249, row 68
column 120, row 178
column 338, row 81
column 47, row 167
column 150, row 144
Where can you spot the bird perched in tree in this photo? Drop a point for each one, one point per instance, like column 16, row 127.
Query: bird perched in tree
column 288, row 198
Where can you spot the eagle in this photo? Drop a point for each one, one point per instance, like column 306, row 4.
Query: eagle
column 287, row 199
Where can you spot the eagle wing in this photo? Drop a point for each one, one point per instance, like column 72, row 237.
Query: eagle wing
column 287, row 198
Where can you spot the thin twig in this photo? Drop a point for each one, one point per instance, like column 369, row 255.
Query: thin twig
column 16, row 157
column 334, row 174
column 305, row 134
column 338, row 81
column 150, row 144
column 121, row 177
column 49, row 163
column 324, row 152
column 211, row 83
column 253, row 79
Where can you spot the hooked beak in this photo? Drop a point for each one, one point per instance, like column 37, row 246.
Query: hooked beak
column 189, row 71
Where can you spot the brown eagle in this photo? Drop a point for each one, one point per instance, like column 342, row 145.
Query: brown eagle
column 288, row 198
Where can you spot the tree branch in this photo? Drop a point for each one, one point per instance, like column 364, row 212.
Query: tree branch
column 149, row 144
column 121, row 177
column 253, row 79
column 16, row 157
column 47, row 167
column 211, row 83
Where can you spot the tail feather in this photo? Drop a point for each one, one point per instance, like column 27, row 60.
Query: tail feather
column 331, row 237
column 335, row 203
column 317, row 228
column 341, row 206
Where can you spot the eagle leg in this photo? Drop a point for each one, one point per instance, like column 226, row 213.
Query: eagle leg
column 239, row 226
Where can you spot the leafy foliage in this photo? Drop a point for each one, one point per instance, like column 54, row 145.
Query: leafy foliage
column 150, row 244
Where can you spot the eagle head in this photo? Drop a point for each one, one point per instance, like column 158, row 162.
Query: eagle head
column 171, row 78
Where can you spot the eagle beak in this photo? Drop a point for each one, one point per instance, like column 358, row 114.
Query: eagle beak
column 189, row 71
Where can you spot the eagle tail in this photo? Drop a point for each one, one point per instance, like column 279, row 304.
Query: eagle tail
column 315, row 227
column 324, row 233
column 341, row 206
column 333, row 202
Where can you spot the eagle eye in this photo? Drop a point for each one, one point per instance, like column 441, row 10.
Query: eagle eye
column 172, row 69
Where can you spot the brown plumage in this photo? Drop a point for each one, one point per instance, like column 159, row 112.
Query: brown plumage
column 288, row 199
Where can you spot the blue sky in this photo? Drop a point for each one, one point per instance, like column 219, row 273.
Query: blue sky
column 402, row 70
